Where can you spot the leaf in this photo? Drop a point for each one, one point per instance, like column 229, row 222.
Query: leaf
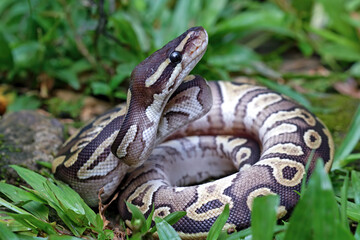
column 35, row 180
column 172, row 218
column 67, row 202
column 70, row 207
column 268, row 17
column 101, row 88
column 150, row 217
column 165, row 231
column 355, row 182
column 6, row 58
column 343, row 206
column 355, row 69
column 231, row 56
column 316, row 204
column 5, row 233
column 68, row 76
column 218, row 225
column 330, row 50
column 137, row 215
column 72, row 204
column 350, row 141
column 12, row 207
column 24, row 102
column 211, row 12
column 29, row 55
column 352, row 211
column 263, row 217
column 17, row 194
column 32, row 222
column 63, row 237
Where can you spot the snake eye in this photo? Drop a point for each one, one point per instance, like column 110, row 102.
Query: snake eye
column 175, row 57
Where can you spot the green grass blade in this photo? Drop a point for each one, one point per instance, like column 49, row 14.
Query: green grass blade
column 355, row 182
column 17, row 194
column 6, row 57
column 32, row 222
column 35, row 180
column 357, row 233
column 63, row 237
column 317, row 204
column 263, row 217
column 172, row 218
column 137, row 215
column 165, row 231
column 350, row 141
column 344, row 193
column 30, row 201
column 150, row 217
column 216, row 228
column 5, row 233
column 12, row 207
column 241, row 234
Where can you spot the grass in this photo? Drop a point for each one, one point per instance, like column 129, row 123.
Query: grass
column 91, row 47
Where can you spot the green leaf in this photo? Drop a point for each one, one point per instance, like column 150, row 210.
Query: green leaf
column 5, row 233
column 101, row 88
column 316, row 204
column 172, row 218
column 218, row 225
column 12, row 224
column 11, row 206
column 63, row 237
column 231, row 56
column 137, row 215
column 344, row 193
column 352, row 211
column 6, row 58
column 150, row 217
column 68, row 76
column 355, row 69
column 35, row 180
column 355, row 182
column 32, row 222
column 331, row 51
column 263, row 217
column 165, row 231
column 72, row 203
column 211, row 12
column 69, row 203
column 241, row 234
column 24, row 102
column 268, row 17
column 29, row 55
column 17, row 194
column 350, row 141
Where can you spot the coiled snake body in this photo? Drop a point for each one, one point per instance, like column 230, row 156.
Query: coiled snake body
column 177, row 130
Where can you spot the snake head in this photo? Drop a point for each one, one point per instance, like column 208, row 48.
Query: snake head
column 153, row 81
column 166, row 68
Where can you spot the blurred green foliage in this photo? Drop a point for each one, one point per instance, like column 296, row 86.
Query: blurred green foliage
column 94, row 45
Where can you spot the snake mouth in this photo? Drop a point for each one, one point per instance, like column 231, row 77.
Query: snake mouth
column 195, row 48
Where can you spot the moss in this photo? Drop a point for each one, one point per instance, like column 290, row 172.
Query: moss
column 336, row 111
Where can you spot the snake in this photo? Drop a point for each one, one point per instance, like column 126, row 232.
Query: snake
column 180, row 143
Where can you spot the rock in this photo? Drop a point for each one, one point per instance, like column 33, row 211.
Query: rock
column 27, row 137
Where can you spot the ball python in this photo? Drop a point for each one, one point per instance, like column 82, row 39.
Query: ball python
column 177, row 130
